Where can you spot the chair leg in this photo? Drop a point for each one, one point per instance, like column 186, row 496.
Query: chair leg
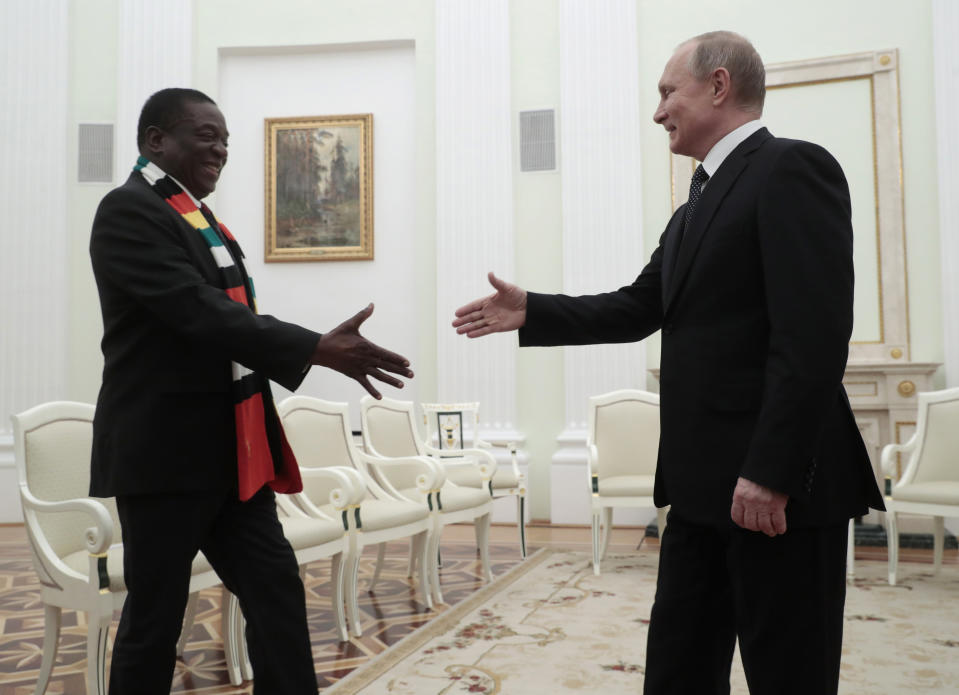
column 607, row 530
column 421, row 543
column 350, row 590
column 892, row 544
column 97, row 632
column 338, row 576
column 233, row 641
column 521, row 522
column 188, row 618
column 412, row 560
column 661, row 513
column 52, row 619
column 481, row 526
column 596, row 541
column 851, row 551
column 380, row 556
column 246, row 668
column 938, row 541
column 433, row 558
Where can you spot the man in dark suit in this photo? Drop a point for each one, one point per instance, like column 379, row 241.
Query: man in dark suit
column 760, row 457
column 186, row 436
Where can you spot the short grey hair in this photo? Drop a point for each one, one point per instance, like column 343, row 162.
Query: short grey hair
column 727, row 49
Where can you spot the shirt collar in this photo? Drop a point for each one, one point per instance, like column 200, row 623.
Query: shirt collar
column 729, row 142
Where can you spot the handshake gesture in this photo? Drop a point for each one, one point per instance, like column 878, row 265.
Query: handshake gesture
column 349, row 353
column 504, row 310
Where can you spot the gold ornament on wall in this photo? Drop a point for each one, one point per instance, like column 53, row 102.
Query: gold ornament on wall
column 906, row 388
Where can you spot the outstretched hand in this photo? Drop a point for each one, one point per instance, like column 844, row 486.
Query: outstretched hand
column 504, row 310
column 349, row 353
column 759, row 508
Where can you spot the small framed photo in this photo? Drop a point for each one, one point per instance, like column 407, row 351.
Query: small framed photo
column 319, row 188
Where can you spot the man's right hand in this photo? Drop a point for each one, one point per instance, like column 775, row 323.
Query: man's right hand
column 504, row 310
column 349, row 353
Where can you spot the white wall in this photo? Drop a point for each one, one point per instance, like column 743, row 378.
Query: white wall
column 320, row 35
column 372, row 78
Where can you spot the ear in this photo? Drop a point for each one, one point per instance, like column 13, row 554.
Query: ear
column 721, row 86
column 153, row 139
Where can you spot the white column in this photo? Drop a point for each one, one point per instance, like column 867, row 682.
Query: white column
column 156, row 51
column 474, row 203
column 34, row 171
column 945, row 27
column 34, row 241
column 602, row 228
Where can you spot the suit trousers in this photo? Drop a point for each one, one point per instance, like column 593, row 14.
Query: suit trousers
column 782, row 597
column 244, row 543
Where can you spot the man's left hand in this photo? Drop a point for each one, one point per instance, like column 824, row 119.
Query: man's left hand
column 759, row 508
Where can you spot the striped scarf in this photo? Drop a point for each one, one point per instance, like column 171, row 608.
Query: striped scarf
column 263, row 452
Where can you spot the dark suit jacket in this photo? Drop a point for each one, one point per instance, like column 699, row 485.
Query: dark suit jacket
column 164, row 420
column 756, row 317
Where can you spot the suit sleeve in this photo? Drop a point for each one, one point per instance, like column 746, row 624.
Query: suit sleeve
column 628, row 314
column 141, row 251
column 806, row 248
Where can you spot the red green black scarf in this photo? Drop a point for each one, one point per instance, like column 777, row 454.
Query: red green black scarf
column 263, row 454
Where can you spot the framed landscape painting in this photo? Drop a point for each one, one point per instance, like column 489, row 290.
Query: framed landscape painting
column 319, row 188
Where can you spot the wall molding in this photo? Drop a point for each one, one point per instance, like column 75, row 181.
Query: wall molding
column 155, row 51
column 474, row 202
column 35, row 246
column 945, row 26
column 599, row 137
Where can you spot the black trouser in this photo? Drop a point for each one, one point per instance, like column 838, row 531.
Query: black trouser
column 245, row 544
column 783, row 597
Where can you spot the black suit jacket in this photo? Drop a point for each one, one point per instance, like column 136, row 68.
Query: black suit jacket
column 755, row 308
column 164, row 420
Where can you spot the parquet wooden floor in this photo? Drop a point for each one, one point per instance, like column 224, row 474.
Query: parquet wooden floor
column 389, row 614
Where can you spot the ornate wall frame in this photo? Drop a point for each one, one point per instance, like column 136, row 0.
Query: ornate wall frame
column 319, row 188
column 880, row 68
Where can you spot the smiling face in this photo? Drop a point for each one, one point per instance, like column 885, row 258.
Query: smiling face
column 686, row 107
column 193, row 150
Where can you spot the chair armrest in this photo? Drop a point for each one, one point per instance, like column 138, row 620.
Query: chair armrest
column 888, row 456
column 431, row 477
column 592, row 457
column 513, row 454
column 98, row 537
column 349, row 487
column 349, row 493
column 483, row 459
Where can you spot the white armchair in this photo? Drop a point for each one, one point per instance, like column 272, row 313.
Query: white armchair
column 312, row 538
column 389, row 431
column 929, row 483
column 622, row 445
column 320, row 436
column 75, row 539
column 455, row 428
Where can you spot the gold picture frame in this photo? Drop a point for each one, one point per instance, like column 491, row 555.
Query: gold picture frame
column 319, row 188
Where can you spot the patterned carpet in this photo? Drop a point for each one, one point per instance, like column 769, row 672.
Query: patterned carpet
column 912, row 629
column 387, row 616
column 551, row 626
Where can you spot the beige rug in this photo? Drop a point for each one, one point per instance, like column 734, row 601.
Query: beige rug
column 550, row 626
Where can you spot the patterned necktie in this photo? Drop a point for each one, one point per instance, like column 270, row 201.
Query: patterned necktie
column 695, row 191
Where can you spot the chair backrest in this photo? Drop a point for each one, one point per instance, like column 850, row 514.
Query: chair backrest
column 53, row 443
column 320, row 436
column 389, row 429
column 624, row 427
column 934, row 457
column 451, row 425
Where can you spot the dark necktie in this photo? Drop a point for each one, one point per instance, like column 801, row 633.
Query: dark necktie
column 695, row 191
